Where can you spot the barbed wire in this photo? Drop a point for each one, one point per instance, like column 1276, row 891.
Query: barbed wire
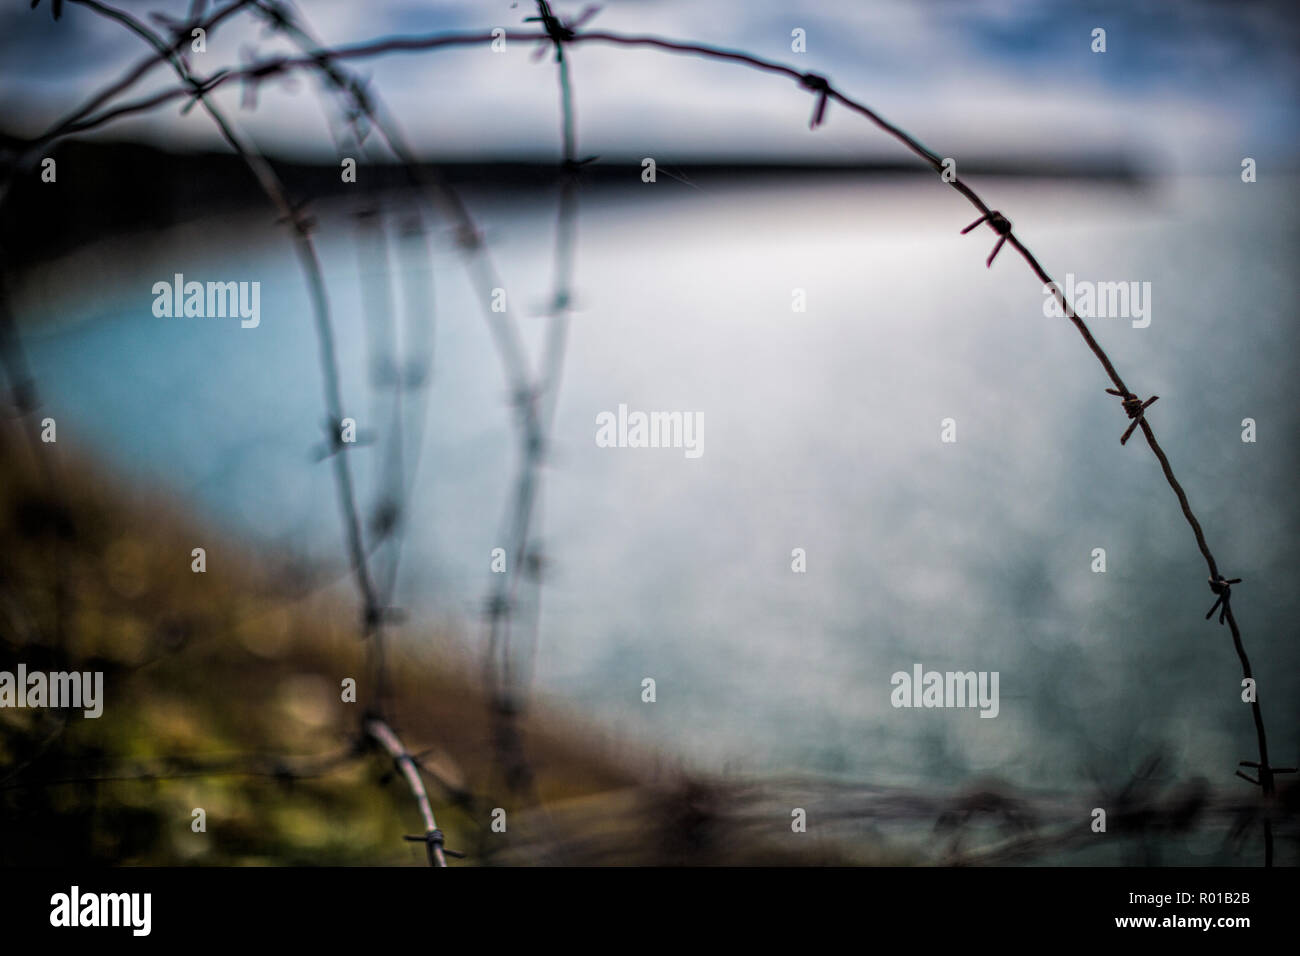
column 536, row 404
column 503, row 603
column 535, row 398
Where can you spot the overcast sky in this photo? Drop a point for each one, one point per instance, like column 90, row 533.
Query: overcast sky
column 1187, row 85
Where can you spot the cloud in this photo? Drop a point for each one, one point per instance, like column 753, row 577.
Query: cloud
column 986, row 77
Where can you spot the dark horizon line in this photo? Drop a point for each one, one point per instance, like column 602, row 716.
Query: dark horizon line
column 105, row 186
column 1095, row 166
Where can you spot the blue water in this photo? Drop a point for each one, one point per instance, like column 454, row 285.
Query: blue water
column 822, row 432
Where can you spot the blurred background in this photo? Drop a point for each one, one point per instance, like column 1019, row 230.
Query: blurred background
column 821, row 432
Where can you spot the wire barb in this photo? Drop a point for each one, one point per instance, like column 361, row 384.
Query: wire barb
column 1266, row 773
column 1000, row 224
column 433, row 840
column 554, row 27
column 1223, row 588
column 1135, row 408
column 822, row 87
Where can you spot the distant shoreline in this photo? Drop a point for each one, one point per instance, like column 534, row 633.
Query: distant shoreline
column 107, row 187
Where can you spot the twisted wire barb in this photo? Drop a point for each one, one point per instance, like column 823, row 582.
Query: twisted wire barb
column 1134, row 407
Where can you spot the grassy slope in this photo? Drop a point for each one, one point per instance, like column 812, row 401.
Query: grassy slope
column 247, row 659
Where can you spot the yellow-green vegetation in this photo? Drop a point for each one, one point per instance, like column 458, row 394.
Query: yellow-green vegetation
column 222, row 692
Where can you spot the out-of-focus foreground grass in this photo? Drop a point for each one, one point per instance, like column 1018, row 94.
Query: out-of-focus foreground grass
column 211, row 680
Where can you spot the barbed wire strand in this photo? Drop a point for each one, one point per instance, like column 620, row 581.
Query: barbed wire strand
column 372, row 613
column 367, row 102
column 410, row 769
column 504, row 602
column 509, row 614
column 391, row 377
